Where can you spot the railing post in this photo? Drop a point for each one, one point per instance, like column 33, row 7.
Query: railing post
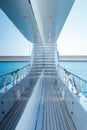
column 67, row 78
column 12, row 77
column 17, row 76
column 27, row 69
column 72, row 87
column 64, row 76
column 23, row 72
column 5, row 87
column 79, row 88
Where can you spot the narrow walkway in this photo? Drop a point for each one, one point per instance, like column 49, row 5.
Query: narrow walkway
column 52, row 114
column 11, row 119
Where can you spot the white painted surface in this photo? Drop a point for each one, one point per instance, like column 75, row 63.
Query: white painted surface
column 29, row 117
column 37, row 18
column 8, row 98
column 50, row 16
column 77, row 107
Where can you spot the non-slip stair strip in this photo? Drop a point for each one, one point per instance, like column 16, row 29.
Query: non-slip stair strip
column 44, row 58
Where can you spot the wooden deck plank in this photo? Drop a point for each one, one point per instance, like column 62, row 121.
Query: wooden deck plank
column 53, row 114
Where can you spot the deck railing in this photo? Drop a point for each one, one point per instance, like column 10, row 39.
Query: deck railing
column 12, row 78
column 76, row 82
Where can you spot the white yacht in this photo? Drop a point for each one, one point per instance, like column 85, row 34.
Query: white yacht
column 43, row 95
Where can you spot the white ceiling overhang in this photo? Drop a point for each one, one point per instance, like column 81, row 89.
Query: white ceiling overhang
column 38, row 19
column 50, row 16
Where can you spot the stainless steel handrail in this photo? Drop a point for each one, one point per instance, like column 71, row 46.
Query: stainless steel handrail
column 67, row 77
column 14, row 76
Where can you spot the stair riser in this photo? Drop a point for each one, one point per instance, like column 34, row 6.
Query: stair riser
column 44, row 58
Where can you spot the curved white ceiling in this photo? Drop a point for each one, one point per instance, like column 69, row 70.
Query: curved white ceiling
column 50, row 16
column 38, row 20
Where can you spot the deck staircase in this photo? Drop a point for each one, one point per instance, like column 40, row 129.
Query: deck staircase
column 44, row 58
column 41, row 107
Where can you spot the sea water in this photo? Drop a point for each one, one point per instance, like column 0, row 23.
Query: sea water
column 78, row 68
column 6, row 67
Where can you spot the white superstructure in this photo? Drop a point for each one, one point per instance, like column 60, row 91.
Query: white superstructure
column 38, row 20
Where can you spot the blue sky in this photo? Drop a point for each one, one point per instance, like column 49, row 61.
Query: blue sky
column 72, row 40
column 12, row 42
